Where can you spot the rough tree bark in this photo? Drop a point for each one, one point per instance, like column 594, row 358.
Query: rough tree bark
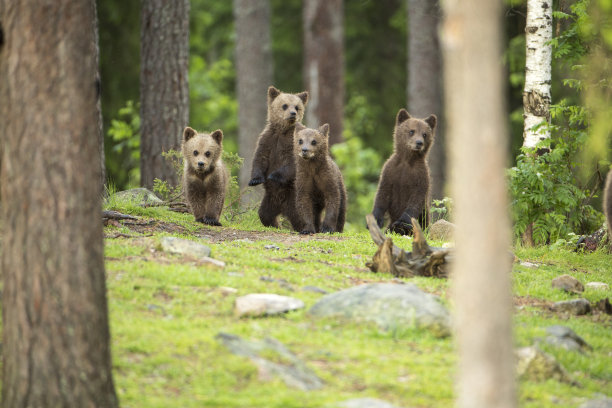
column 254, row 75
column 481, row 266
column 164, row 90
column 425, row 80
column 536, row 95
column 55, row 334
column 324, row 64
column 98, row 82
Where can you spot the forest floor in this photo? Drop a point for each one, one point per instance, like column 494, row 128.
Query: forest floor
column 167, row 310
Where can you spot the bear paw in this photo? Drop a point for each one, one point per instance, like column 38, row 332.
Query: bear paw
column 256, row 181
column 276, row 177
column 401, row 228
column 327, row 229
column 211, row 221
column 307, row 232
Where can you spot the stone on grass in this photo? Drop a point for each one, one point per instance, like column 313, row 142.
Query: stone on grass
column 262, row 304
column 364, row 403
column 140, row 196
column 603, row 402
column 184, row 247
column 564, row 337
column 597, row 286
column 567, row 283
column 536, row 365
column 315, row 289
column 286, row 365
column 576, row 306
column 441, row 230
column 528, row 264
column 388, row 305
column 212, row 262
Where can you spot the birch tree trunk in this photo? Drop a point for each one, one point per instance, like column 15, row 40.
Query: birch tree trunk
column 55, row 331
column 425, row 80
column 536, row 96
column 164, row 89
column 477, row 139
column 253, row 76
column 324, row 65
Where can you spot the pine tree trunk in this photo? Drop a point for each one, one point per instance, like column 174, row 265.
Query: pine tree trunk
column 425, row 80
column 164, row 90
column 254, row 75
column 536, row 96
column 55, row 334
column 324, row 64
column 477, row 138
column 100, row 133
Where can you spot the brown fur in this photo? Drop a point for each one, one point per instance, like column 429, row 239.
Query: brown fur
column 205, row 176
column 273, row 163
column 318, row 182
column 403, row 189
column 607, row 204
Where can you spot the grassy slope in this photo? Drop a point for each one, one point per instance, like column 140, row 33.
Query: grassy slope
column 165, row 312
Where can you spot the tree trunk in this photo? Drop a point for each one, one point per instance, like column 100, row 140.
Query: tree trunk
column 536, row 96
column 164, row 91
column 253, row 76
column 55, row 336
column 425, row 80
column 100, row 133
column 324, row 64
column 477, row 138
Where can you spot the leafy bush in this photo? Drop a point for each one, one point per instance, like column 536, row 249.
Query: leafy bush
column 123, row 165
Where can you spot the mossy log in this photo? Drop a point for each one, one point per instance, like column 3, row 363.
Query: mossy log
column 422, row 261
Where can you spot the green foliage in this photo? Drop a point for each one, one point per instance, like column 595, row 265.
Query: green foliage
column 442, row 209
column 232, row 207
column 163, row 188
column 123, row 165
column 360, row 168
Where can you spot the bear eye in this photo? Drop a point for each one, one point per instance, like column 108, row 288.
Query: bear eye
column 411, row 132
column 297, row 108
column 195, row 152
column 207, row 154
column 285, row 106
column 424, row 135
column 314, row 143
column 301, row 141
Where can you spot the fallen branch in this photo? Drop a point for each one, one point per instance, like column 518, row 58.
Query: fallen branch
column 116, row 215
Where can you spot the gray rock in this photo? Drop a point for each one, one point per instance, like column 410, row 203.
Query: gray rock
column 535, row 365
column 528, row 264
column 567, row 283
column 287, row 366
column 389, row 306
column 272, row 247
column 441, row 230
column 138, row 196
column 184, row 247
column 576, row 306
column 597, row 286
column 564, row 337
column 603, row 402
column 364, row 403
column 315, row 289
column 261, row 304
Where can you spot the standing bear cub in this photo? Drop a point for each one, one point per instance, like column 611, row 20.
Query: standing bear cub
column 403, row 189
column 318, row 182
column 273, row 163
column 205, row 176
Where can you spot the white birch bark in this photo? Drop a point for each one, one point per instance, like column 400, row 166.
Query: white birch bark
column 481, row 269
column 536, row 96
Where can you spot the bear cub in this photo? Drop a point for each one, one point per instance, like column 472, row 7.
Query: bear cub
column 205, row 176
column 318, row 182
column 273, row 162
column 403, row 188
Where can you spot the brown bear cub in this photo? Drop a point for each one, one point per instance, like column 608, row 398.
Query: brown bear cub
column 318, row 182
column 205, row 176
column 273, row 163
column 403, row 189
column 607, row 204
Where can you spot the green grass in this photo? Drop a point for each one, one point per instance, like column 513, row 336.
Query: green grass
column 165, row 312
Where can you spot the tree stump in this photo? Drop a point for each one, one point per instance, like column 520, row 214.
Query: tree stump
column 422, row 261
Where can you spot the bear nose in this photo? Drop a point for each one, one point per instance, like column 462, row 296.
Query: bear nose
column 201, row 164
column 419, row 143
column 293, row 113
column 304, row 149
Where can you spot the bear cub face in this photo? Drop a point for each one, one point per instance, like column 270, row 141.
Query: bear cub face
column 412, row 135
column 311, row 143
column 286, row 108
column 202, row 150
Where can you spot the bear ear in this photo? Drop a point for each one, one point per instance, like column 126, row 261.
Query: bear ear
column 324, row 130
column 402, row 116
column 303, row 96
column 188, row 133
column 432, row 120
column 299, row 127
column 217, row 135
column 273, row 93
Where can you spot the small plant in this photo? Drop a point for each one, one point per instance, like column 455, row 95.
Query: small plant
column 441, row 209
column 124, row 135
column 163, row 188
column 232, row 207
